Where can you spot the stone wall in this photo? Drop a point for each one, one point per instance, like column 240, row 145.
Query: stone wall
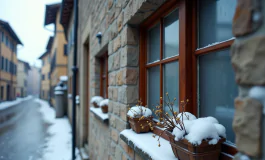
column 248, row 62
column 118, row 21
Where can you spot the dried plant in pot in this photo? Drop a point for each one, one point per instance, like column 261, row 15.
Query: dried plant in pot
column 191, row 138
column 140, row 118
column 104, row 105
column 96, row 101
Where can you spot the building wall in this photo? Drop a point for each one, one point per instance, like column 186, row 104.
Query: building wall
column 22, row 77
column 7, row 78
column 45, row 83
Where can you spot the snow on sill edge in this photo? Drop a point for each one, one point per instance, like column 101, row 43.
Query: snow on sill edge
column 145, row 144
column 215, row 43
column 99, row 113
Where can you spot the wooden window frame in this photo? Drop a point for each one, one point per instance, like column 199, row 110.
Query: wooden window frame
column 104, row 62
column 187, row 58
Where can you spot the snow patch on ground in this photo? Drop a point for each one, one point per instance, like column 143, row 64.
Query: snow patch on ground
column 4, row 105
column 148, row 144
column 59, row 142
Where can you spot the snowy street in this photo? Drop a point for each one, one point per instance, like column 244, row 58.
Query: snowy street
column 36, row 134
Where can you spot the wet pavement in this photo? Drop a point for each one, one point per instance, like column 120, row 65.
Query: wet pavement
column 24, row 139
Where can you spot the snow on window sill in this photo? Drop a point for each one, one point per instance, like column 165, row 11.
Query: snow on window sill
column 104, row 117
column 146, row 146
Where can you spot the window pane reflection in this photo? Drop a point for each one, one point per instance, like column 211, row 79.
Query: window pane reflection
column 171, row 84
column 153, row 88
column 153, row 44
column 171, row 35
column 215, row 21
column 217, row 89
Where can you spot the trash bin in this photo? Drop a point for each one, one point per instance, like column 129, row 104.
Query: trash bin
column 60, row 99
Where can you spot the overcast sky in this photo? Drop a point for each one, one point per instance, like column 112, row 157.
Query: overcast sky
column 26, row 17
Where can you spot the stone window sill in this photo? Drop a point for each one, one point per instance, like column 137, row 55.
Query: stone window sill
column 103, row 117
column 146, row 145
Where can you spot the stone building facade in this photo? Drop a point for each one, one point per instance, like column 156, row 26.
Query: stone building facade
column 148, row 48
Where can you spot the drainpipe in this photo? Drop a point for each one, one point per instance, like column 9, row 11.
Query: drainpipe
column 74, row 69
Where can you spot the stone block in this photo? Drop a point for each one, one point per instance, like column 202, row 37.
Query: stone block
column 128, row 94
column 116, row 43
column 129, row 56
column 130, row 76
column 248, row 61
column 116, row 109
column 123, row 111
column 112, row 148
column 113, row 32
column 110, row 48
column 114, row 135
column 247, row 18
column 118, row 153
column 124, row 3
column 110, row 3
column 120, row 125
column 247, row 126
column 110, row 63
column 115, row 94
column 129, row 36
column 119, row 21
column 116, row 61
column 128, row 12
column 119, row 77
column 112, row 121
column 112, row 78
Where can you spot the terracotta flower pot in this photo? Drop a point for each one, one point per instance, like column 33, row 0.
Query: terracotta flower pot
column 140, row 126
column 104, row 109
column 184, row 150
column 95, row 105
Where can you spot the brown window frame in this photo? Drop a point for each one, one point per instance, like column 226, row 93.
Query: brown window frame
column 104, row 62
column 187, row 58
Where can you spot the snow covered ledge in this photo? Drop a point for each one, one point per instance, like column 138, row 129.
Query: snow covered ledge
column 104, row 117
column 146, row 146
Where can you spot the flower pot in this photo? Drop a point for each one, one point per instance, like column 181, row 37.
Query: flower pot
column 184, row 150
column 140, row 126
column 104, row 109
column 95, row 105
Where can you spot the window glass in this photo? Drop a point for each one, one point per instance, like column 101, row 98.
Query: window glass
column 217, row 89
column 153, row 44
column 171, row 35
column 153, row 88
column 215, row 21
column 171, row 84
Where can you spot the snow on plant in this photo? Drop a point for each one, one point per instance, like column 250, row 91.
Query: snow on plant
column 186, row 125
column 104, row 102
column 96, row 99
column 139, row 111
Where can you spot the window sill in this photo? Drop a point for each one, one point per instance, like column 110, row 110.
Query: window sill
column 146, row 146
column 103, row 117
